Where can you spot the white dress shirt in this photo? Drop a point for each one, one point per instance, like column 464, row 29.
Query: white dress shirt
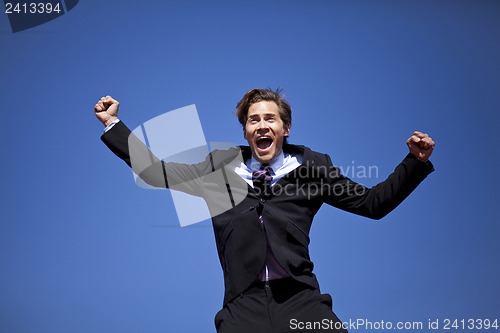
column 281, row 165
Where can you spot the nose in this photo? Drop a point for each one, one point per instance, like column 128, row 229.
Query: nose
column 262, row 124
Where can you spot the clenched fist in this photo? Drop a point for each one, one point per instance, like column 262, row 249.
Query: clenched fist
column 420, row 145
column 106, row 110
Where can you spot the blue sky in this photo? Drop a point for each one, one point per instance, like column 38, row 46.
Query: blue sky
column 83, row 249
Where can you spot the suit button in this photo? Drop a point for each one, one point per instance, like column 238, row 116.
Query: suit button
column 262, row 200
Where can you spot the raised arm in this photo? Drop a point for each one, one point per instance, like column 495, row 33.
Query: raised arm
column 121, row 141
column 381, row 199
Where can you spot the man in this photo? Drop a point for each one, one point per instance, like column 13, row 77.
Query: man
column 262, row 241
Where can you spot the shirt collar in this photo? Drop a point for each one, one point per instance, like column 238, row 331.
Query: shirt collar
column 275, row 164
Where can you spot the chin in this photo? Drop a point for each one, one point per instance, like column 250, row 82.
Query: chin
column 265, row 158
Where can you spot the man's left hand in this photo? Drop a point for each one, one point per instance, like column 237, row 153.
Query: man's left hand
column 420, row 145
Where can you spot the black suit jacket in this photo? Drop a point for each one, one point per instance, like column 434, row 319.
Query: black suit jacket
column 288, row 211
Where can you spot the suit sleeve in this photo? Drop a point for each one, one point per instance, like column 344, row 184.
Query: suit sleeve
column 183, row 177
column 381, row 199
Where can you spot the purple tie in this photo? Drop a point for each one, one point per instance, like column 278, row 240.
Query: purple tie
column 262, row 179
column 262, row 183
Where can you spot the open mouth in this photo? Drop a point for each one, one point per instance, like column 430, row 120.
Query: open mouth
column 264, row 143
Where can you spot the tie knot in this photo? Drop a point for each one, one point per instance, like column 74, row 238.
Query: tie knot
column 262, row 178
column 264, row 170
column 266, row 167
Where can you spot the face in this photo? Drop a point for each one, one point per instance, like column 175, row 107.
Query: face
column 265, row 131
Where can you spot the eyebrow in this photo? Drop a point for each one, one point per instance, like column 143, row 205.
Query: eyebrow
column 265, row 114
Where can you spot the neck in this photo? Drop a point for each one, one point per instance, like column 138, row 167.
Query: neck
column 275, row 163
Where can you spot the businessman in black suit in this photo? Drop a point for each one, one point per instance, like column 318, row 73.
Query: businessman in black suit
column 262, row 239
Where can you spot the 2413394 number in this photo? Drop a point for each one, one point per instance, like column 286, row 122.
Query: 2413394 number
column 470, row 324
column 32, row 8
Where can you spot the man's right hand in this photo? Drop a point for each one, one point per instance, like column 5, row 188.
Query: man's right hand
column 106, row 110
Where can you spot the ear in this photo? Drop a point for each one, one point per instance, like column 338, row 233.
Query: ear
column 286, row 129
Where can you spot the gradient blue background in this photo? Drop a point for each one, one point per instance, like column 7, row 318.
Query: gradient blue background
column 83, row 249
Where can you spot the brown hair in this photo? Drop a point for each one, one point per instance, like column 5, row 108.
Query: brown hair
column 256, row 95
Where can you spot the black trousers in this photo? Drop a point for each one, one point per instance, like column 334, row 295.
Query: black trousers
column 279, row 306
